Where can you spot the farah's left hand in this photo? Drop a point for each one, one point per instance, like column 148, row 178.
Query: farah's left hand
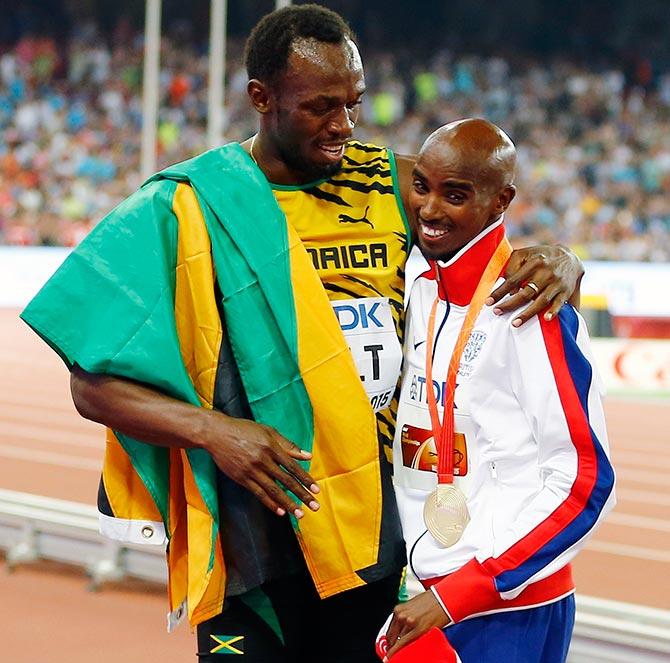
column 412, row 619
column 545, row 276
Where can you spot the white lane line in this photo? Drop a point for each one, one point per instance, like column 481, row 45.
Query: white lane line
column 640, row 459
column 19, row 410
column 48, row 438
column 47, row 402
column 49, row 458
column 35, row 397
column 632, row 398
column 624, row 550
column 639, row 522
column 643, row 476
column 52, row 435
column 642, row 496
column 648, row 447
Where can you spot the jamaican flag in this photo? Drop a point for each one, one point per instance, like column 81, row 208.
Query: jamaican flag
column 138, row 299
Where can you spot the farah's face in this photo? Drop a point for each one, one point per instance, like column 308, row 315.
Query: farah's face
column 316, row 105
column 451, row 201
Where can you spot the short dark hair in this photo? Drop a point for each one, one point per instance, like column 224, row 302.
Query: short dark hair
column 269, row 44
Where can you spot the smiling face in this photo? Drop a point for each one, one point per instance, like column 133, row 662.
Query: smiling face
column 312, row 107
column 461, row 184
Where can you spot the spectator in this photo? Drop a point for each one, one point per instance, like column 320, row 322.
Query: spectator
column 593, row 145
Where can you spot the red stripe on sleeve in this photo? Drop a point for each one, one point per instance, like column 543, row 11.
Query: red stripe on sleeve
column 580, row 434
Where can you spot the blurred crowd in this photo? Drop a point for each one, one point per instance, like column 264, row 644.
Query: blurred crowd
column 594, row 144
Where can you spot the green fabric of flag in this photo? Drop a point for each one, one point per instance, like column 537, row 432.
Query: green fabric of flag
column 110, row 306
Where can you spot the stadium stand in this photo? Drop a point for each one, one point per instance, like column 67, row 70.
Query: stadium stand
column 594, row 144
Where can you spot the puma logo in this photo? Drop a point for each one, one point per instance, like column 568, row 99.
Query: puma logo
column 345, row 218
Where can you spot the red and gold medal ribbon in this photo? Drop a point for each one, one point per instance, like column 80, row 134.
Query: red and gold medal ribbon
column 444, row 432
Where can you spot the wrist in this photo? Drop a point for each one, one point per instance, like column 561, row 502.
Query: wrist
column 574, row 258
column 199, row 427
column 438, row 598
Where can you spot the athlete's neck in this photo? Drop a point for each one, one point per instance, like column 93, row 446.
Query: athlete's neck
column 275, row 168
column 461, row 271
column 446, row 258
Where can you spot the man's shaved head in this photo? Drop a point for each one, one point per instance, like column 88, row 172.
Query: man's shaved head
column 485, row 151
column 462, row 183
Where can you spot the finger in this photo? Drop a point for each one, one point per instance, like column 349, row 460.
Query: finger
column 402, row 641
column 529, row 290
column 393, row 632
column 262, row 496
column 393, row 646
column 524, row 297
column 300, row 454
column 543, row 301
column 398, row 629
column 290, row 483
column 291, row 448
column 531, row 273
column 277, row 496
column 518, row 286
column 294, row 468
column 534, row 269
column 508, row 287
column 531, row 260
column 558, row 300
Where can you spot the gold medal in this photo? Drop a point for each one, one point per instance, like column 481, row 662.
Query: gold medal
column 446, row 515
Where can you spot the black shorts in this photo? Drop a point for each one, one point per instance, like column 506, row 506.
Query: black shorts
column 284, row 621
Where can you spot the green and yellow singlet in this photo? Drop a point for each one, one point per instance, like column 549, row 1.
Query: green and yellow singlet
column 354, row 228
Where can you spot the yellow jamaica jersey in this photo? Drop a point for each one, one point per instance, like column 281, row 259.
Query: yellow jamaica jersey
column 354, row 228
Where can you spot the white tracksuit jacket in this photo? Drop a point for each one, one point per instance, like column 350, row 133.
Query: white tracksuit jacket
column 531, row 446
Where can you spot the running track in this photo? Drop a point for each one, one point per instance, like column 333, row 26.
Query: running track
column 47, row 449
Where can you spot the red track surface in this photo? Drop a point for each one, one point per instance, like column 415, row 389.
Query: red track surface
column 47, row 449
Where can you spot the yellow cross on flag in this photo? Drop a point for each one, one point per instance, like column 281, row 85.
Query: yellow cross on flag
column 225, row 644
